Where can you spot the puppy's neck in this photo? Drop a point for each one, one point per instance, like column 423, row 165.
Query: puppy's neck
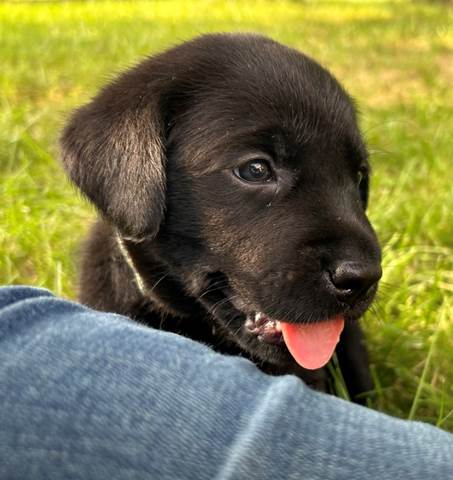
column 154, row 281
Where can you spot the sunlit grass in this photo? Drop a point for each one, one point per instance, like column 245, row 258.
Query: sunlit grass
column 395, row 59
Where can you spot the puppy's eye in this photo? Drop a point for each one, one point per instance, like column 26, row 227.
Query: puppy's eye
column 362, row 183
column 362, row 176
column 255, row 171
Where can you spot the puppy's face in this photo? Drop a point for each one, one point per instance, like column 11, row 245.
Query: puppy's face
column 265, row 192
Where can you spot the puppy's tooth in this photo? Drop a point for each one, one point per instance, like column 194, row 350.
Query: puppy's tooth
column 278, row 327
column 249, row 323
column 258, row 315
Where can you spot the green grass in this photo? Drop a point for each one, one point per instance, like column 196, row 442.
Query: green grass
column 395, row 58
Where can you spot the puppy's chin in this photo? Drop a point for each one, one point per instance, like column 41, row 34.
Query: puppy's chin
column 259, row 334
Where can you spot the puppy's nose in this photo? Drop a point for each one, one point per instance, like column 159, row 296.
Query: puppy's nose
column 352, row 280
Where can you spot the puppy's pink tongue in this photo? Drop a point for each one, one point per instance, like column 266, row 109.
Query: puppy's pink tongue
column 312, row 344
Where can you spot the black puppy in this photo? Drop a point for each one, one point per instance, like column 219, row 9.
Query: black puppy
column 232, row 181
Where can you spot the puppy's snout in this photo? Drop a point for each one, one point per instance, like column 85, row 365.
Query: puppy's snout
column 352, row 280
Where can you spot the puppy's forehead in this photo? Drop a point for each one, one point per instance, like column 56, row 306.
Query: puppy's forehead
column 255, row 92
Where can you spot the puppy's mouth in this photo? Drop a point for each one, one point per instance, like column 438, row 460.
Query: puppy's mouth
column 266, row 329
column 311, row 345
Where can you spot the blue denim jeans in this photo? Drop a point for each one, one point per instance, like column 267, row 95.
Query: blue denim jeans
column 89, row 395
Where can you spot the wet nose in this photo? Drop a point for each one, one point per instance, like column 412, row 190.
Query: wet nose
column 352, row 280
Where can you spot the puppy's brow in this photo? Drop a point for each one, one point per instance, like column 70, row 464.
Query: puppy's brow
column 227, row 149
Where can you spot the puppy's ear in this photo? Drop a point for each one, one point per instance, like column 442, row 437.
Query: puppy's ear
column 113, row 151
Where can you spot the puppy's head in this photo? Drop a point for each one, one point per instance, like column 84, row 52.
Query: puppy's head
column 239, row 164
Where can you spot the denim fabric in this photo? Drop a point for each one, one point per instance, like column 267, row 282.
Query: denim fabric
column 88, row 395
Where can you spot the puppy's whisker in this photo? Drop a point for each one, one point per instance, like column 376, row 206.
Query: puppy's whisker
column 385, row 289
column 221, row 302
column 217, row 285
column 211, row 290
column 160, row 280
column 377, row 312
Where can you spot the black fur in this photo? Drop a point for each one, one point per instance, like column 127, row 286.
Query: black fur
column 156, row 152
